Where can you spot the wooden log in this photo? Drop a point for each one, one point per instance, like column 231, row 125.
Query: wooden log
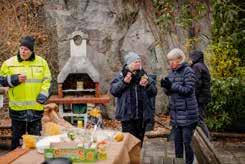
column 6, row 137
column 204, row 150
column 229, row 135
column 158, row 121
column 157, row 134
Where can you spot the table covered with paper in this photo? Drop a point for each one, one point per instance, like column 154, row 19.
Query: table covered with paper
column 81, row 145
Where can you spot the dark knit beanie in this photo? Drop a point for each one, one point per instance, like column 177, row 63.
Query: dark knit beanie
column 28, row 42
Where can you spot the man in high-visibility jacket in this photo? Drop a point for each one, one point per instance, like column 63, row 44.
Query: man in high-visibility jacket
column 28, row 77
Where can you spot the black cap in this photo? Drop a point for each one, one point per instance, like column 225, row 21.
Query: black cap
column 28, row 41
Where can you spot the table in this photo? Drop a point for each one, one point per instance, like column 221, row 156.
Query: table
column 124, row 152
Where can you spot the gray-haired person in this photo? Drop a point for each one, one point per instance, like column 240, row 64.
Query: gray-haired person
column 179, row 85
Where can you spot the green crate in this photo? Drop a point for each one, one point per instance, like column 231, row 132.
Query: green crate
column 79, row 108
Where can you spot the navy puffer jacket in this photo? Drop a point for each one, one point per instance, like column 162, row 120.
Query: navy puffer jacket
column 133, row 101
column 182, row 101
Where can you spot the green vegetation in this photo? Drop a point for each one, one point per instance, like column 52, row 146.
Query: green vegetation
column 226, row 61
column 225, row 52
column 170, row 14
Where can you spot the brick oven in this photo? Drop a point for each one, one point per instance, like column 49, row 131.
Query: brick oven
column 79, row 76
column 78, row 80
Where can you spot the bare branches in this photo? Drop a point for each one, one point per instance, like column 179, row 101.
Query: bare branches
column 20, row 18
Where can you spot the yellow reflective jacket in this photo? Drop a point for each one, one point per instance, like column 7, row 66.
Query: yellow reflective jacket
column 38, row 78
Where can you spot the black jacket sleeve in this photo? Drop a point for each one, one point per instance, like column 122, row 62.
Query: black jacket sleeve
column 151, row 89
column 9, row 81
column 198, row 72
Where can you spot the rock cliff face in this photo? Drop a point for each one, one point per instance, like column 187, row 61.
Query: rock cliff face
column 114, row 27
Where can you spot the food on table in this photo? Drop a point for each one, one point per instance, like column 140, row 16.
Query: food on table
column 51, row 129
column 118, row 136
column 144, row 77
column 95, row 112
column 71, row 135
column 29, row 141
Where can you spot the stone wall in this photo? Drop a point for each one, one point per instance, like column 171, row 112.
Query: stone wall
column 114, row 27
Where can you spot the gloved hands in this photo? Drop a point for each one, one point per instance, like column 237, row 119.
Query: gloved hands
column 125, row 70
column 127, row 74
column 166, row 83
column 16, row 79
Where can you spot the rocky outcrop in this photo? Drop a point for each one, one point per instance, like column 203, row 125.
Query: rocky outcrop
column 114, row 27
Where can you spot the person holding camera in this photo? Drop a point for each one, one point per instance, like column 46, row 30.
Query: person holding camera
column 133, row 89
column 179, row 85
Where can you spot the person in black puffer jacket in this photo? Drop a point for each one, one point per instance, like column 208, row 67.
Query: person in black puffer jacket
column 180, row 86
column 134, row 90
column 203, row 92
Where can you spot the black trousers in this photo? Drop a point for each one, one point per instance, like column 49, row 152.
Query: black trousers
column 134, row 127
column 202, row 124
column 20, row 128
column 182, row 141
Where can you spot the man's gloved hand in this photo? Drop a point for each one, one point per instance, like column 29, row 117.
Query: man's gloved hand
column 127, row 79
column 13, row 80
column 125, row 70
column 166, row 83
column 42, row 99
